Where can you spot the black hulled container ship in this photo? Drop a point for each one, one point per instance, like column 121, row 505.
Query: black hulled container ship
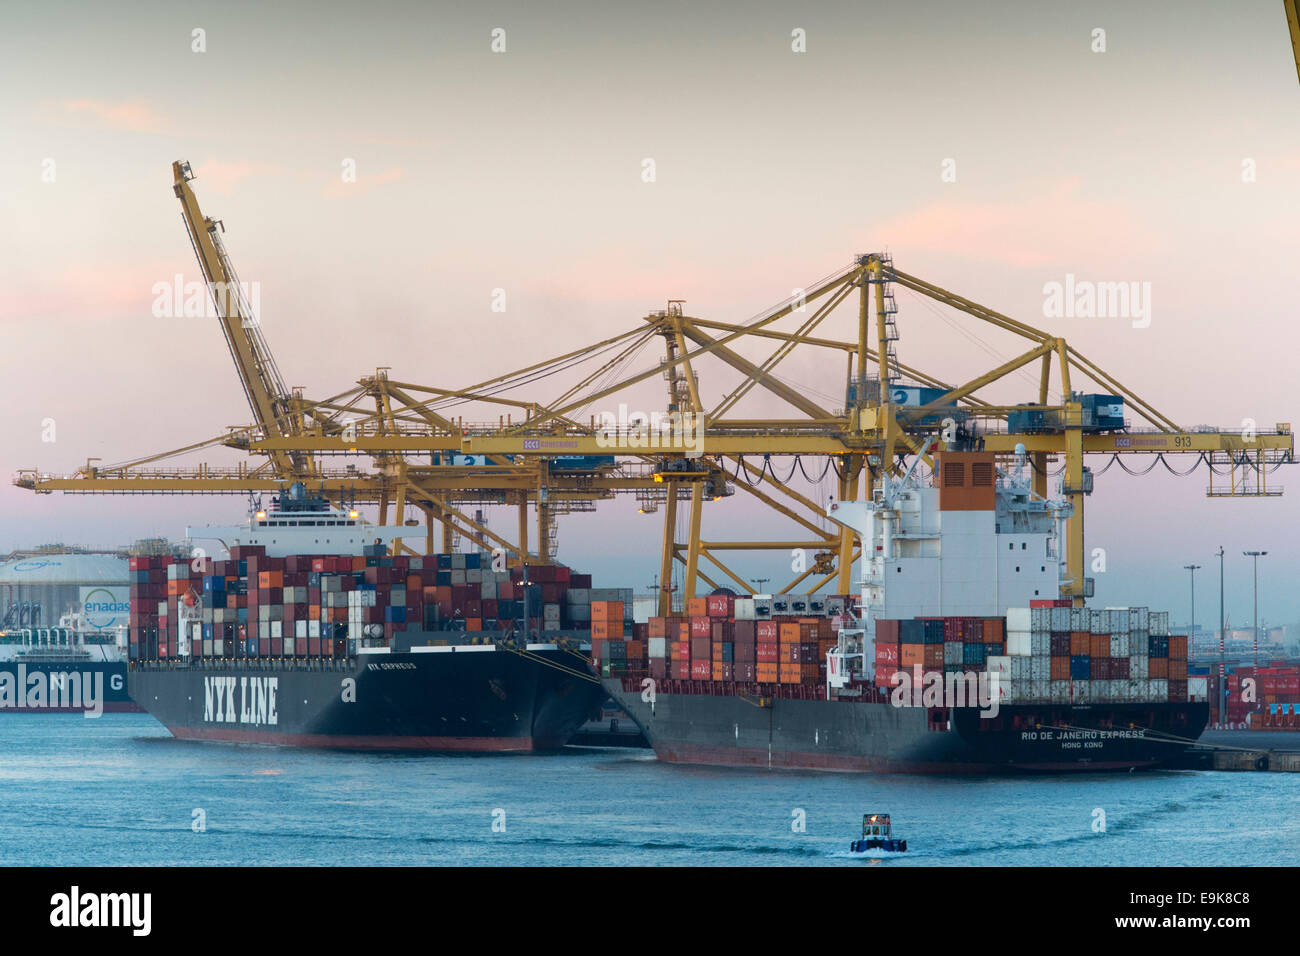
column 959, row 610
column 311, row 634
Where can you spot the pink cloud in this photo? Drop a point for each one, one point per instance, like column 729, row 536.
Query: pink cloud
column 133, row 117
column 338, row 189
column 221, row 177
column 1047, row 228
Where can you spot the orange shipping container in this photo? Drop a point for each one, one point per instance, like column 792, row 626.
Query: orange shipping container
column 1177, row 647
column 607, row 611
column 1158, row 668
column 1060, row 668
column 473, row 623
column 1080, row 643
column 658, row 627
column 697, row 607
column 607, row 630
column 789, row 632
column 993, row 630
column 1099, row 645
column 909, row 654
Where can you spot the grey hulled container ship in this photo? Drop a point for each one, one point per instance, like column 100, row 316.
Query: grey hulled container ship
column 311, row 634
column 959, row 656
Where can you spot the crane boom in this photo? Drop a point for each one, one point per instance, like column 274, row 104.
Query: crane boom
column 265, row 390
column 1293, row 24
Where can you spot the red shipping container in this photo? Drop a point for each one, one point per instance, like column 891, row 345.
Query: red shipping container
column 721, row 605
column 770, row 630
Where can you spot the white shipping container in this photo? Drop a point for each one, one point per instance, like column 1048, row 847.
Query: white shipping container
column 277, row 629
column 1119, row 644
column 1139, row 667
column 473, row 575
column 658, row 647
column 1159, row 623
column 998, row 664
column 952, row 652
column 1098, row 623
column 1060, row 618
column 1040, row 669
column 1138, row 618
column 287, row 644
column 1079, row 618
column 1040, row 619
column 313, row 628
column 264, row 630
column 1019, row 644
column 1040, row 645
column 299, row 628
column 1158, row 689
column 487, row 590
column 1019, row 619
column 458, row 574
column 1082, row 691
column 1059, row 690
column 744, row 609
column 1020, row 669
column 1198, row 688
column 217, row 649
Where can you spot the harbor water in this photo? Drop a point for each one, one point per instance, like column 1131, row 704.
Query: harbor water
column 119, row 790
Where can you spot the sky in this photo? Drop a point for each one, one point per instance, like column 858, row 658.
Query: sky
column 991, row 149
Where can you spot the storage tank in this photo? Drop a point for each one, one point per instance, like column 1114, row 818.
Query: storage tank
column 60, row 582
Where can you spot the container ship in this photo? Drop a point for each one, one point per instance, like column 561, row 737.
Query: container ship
column 71, row 668
column 957, row 655
column 311, row 634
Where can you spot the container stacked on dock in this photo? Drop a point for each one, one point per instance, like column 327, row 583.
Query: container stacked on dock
column 328, row 606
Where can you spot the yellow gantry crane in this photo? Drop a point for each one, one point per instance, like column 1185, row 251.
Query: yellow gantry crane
column 543, row 455
column 1293, row 26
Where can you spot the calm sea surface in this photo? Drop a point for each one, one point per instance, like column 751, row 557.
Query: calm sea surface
column 119, row 790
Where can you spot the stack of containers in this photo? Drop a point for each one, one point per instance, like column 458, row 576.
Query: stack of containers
column 888, row 661
column 313, row 606
column 767, row 651
column 790, row 671
column 745, row 636
column 723, row 649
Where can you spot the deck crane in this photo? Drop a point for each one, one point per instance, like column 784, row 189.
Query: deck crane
column 542, row 454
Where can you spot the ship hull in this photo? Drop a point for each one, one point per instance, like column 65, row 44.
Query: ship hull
column 64, row 687
column 873, row 737
column 484, row 701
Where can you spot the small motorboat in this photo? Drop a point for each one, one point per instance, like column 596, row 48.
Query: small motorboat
column 877, row 834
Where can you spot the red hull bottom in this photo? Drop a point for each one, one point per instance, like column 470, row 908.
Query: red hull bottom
column 788, row 760
column 361, row 741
